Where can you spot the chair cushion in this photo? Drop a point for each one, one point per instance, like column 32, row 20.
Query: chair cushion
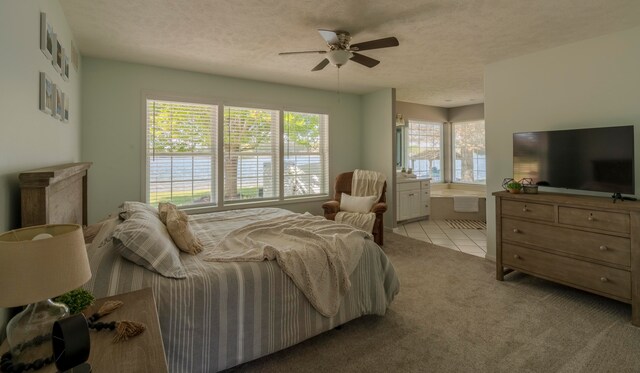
column 356, row 204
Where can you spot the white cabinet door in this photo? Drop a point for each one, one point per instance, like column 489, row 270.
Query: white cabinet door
column 414, row 203
column 403, row 205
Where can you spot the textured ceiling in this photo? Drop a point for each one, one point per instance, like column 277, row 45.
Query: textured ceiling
column 443, row 44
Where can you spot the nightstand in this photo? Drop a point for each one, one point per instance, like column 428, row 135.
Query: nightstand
column 143, row 353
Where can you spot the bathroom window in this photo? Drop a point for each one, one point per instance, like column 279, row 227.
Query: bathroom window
column 424, row 149
column 469, row 156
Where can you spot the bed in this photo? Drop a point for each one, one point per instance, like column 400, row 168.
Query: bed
column 224, row 314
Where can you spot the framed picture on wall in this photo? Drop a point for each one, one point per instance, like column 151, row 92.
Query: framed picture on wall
column 46, row 36
column 66, row 108
column 58, row 57
column 75, row 58
column 59, row 108
column 65, row 66
column 47, row 94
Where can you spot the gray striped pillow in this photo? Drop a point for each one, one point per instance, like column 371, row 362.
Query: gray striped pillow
column 144, row 240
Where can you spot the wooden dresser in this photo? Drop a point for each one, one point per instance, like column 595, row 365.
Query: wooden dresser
column 586, row 242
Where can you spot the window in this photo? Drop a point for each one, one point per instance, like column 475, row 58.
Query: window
column 469, row 159
column 264, row 154
column 306, row 154
column 251, row 156
column 424, row 149
column 181, row 152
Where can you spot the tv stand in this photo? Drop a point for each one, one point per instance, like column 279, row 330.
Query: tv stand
column 581, row 241
column 618, row 196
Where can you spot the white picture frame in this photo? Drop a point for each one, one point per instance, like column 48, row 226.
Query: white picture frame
column 47, row 94
column 46, row 37
column 59, row 108
column 65, row 118
column 64, row 72
column 58, row 56
column 75, row 57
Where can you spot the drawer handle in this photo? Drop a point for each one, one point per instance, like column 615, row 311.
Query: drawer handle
column 516, row 256
column 412, row 194
column 603, row 248
column 591, row 218
column 515, row 230
column 604, row 279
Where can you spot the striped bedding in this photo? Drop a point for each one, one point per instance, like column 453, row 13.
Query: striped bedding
column 224, row 314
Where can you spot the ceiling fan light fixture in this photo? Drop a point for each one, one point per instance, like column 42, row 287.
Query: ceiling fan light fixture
column 339, row 57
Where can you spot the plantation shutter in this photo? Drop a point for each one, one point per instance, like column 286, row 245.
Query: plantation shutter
column 181, row 152
column 251, row 154
column 306, row 154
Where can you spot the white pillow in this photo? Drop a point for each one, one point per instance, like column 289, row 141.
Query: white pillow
column 356, row 204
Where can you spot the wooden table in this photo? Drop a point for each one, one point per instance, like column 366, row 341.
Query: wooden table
column 143, row 353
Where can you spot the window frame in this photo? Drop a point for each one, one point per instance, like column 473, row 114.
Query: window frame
column 405, row 141
column 452, row 165
column 218, row 169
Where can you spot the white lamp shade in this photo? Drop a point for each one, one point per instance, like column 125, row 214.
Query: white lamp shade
column 34, row 270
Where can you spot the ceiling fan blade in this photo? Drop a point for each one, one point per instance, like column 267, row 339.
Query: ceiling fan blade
column 321, row 65
column 364, row 60
column 301, row 52
column 329, row 36
column 375, row 44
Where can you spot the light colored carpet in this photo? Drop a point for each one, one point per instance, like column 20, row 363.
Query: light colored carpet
column 453, row 316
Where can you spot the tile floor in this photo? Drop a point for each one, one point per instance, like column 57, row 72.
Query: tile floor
column 469, row 241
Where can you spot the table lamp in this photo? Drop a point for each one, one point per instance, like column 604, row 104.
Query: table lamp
column 38, row 263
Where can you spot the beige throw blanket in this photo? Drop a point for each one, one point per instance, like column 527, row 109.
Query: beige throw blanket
column 364, row 183
column 317, row 254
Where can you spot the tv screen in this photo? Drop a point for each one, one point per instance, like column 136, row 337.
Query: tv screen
column 595, row 159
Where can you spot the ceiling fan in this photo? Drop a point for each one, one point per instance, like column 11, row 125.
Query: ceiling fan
column 341, row 50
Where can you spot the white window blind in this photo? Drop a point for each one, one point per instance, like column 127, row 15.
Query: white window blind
column 424, row 149
column 251, row 154
column 306, row 154
column 181, row 152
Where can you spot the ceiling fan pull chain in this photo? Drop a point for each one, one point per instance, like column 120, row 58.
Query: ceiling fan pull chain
column 338, row 83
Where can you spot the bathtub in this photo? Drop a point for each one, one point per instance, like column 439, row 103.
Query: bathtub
column 442, row 201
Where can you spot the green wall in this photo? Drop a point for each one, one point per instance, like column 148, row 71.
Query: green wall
column 30, row 139
column 592, row 83
column 113, row 96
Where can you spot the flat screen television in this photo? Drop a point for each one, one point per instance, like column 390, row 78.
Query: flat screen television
column 594, row 159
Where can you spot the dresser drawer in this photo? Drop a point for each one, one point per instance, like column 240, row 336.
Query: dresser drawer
column 528, row 210
column 610, row 249
column 570, row 271
column 609, row 221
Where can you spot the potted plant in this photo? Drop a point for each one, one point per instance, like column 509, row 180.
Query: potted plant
column 514, row 187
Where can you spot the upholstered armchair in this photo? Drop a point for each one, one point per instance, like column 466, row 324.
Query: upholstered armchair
column 343, row 185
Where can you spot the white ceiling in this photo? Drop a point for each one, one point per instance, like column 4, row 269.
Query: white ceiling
column 443, row 44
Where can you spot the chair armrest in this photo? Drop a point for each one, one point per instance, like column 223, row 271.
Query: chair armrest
column 379, row 208
column 331, row 207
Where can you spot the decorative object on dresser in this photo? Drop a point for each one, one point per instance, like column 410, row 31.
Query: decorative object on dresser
column 56, row 188
column 586, row 242
column 38, row 263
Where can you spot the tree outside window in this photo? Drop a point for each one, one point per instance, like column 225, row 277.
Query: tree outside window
column 469, row 157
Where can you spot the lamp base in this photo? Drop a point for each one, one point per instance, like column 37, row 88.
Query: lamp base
column 29, row 332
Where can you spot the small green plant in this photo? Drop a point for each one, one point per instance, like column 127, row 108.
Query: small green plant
column 514, row 185
column 76, row 300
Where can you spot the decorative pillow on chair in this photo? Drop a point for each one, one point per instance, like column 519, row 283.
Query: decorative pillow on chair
column 177, row 223
column 356, row 204
column 144, row 240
